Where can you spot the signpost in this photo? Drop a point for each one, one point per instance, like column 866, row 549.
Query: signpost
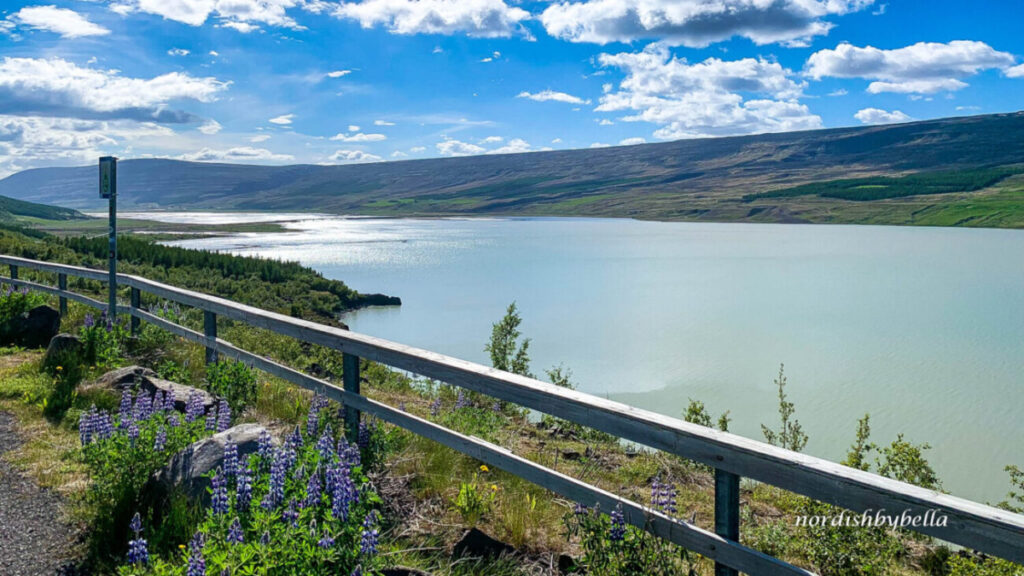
column 108, row 189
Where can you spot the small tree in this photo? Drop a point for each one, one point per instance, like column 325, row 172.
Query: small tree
column 1015, row 499
column 696, row 413
column 507, row 352
column 790, row 435
column 905, row 462
column 857, row 456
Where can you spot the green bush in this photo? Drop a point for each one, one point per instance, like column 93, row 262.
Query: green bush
column 103, row 341
column 66, row 370
column 13, row 304
column 234, row 382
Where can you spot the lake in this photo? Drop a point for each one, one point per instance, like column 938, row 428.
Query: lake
column 923, row 328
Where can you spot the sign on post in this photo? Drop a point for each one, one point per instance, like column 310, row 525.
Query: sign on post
column 108, row 176
column 108, row 189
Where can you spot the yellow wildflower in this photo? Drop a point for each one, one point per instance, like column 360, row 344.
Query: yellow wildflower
column 59, row 368
column 484, row 468
column 494, row 487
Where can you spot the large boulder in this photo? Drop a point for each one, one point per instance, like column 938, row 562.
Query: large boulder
column 187, row 470
column 61, row 347
column 477, row 544
column 33, row 329
column 144, row 379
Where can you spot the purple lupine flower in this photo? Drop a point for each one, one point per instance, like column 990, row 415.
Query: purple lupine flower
column 125, row 413
column 211, row 419
column 358, row 571
column 401, row 406
column 196, row 562
column 86, row 422
column 368, row 542
column 343, row 496
column 194, row 407
column 133, row 430
column 230, row 459
column 363, row 439
column 243, row 486
column 278, row 471
column 161, row 440
column 618, row 529
column 235, row 533
column 326, row 542
column 174, row 419
column 264, row 447
column 137, row 548
column 169, row 401
column 219, row 501
column 223, row 416
column 103, row 425
column 265, row 539
column 325, row 445
column 291, row 514
column 461, row 401
column 348, row 453
column 579, row 509
column 313, row 489
column 313, row 418
column 159, row 404
column 295, row 439
column 435, row 407
column 143, row 407
column 89, row 321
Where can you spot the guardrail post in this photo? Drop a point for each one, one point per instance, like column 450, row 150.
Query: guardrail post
column 210, row 330
column 62, row 283
column 14, row 272
column 727, row 513
column 136, row 299
column 350, row 378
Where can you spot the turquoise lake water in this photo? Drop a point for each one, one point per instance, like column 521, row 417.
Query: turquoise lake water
column 923, row 328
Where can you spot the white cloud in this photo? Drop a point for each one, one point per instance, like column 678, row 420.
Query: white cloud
column 67, row 23
column 451, row 147
column 694, row 23
column 514, row 146
column 282, row 120
column 1016, row 71
column 494, row 56
column 604, row 122
column 922, row 68
column 237, row 154
column 599, row 145
column 338, row 73
column 418, row 149
column 492, row 140
column 477, row 18
column 398, row 154
column 556, row 141
column 353, row 128
column 178, row 52
column 57, row 87
column 214, row 53
column 241, row 15
column 710, row 98
column 259, row 138
column 632, row 141
column 242, row 27
column 358, row 137
column 383, row 123
column 968, row 108
column 552, row 96
column 839, row 92
column 878, row 116
column 210, row 127
column 353, row 157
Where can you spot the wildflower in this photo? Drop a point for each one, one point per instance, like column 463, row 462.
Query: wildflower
column 484, row 468
column 343, row 496
column 291, row 514
column 435, row 407
column 326, row 542
column 133, row 430
column 143, row 407
column 278, row 472
column 461, row 401
column 159, row 404
column 579, row 509
column 243, row 487
column 325, row 445
column 194, row 407
column 169, row 401
column 161, row 440
column 494, row 487
column 313, row 489
column 618, row 529
column 136, row 524
column 211, row 419
column 137, row 548
column 223, row 416
column 496, row 407
column 87, row 425
column 368, row 543
column 196, row 562
column 264, row 447
column 126, row 409
column 313, row 419
column 401, row 406
column 363, row 439
column 219, row 501
column 89, row 321
column 235, row 533
column 60, row 368
column 358, row 571
column 265, row 539
column 230, row 459
column 349, row 454
column 295, row 440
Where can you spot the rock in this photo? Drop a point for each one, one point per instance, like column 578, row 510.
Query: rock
column 403, row 571
column 60, row 347
column 566, row 564
column 187, row 469
column 40, row 326
column 479, row 545
column 137, row 377
column 571, row 455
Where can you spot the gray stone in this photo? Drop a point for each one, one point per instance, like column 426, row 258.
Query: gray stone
column 39, row 327
column 477, row 544
column 144, row 379
column 187, row 469
column 59, row 346
column 121, row 378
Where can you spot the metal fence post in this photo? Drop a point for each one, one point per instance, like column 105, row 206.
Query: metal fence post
column 727, row 513
column 62, row 283
column 210, row 330
column 350, row 378
column 14, row 272
column 136, row 298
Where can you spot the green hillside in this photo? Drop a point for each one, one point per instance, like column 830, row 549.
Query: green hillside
column 12, row 210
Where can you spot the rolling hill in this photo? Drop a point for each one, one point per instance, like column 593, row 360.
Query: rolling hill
column 12, row 210
column 721, row 179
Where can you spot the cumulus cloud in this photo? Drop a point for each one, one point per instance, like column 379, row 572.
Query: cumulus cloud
column 383, row 123
column 694, row 23
column 178, row 52
column 514, row 146
column 210, row 127
column 67, row 23
column 552, row 96
column 241, row 15
column 922, row 68
column 359, row 137
column 599, row 145
column 282, row 120
column 710, row 98
column 237, row 154
column 338, row 73
column 878, row 116
column 632, row 141
column 57, row 87
column 477, row 18
column 451, row 147
column 259, row 138
column 1016, row 71
column 352, row 157
column 492, row 140
column 418, row 149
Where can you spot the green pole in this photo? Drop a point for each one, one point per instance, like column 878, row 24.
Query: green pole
column 108, row 189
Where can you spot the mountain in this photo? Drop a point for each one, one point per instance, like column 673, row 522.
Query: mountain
column 736, row 178
column 12, row 210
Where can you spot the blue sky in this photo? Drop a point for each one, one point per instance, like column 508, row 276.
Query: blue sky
column 329, row 81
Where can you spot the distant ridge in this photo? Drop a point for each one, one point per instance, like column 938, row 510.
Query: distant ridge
column 685, row 179
column 11, row 210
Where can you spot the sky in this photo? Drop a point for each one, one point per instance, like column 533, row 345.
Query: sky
column 339, row 82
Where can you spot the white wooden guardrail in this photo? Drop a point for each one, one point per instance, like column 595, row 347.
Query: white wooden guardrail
column 985, row 528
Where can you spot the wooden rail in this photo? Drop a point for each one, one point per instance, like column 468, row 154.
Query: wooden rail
column 978, row 526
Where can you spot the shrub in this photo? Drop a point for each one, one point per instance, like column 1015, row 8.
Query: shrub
column 66, row 371
column 233, row 381
column 474, row 501
column 790, row 434
column 103, row 341
column 13, row 304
